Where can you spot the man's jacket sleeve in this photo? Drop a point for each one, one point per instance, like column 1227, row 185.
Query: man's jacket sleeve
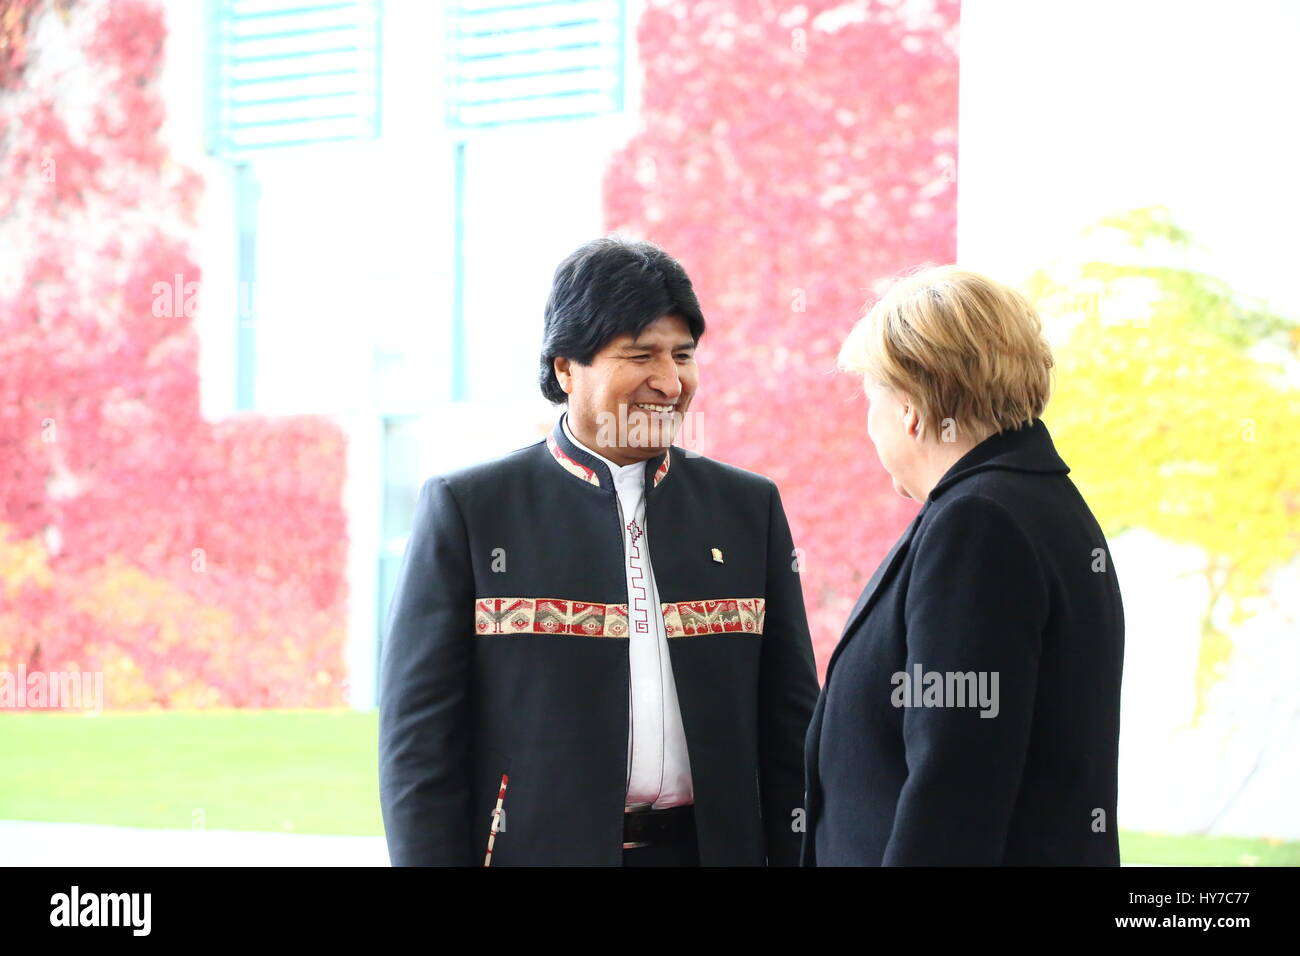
column 787, row 693
column 424, row 691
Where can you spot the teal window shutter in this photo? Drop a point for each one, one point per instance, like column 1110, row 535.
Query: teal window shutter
column 286, row 73
column 518, row 62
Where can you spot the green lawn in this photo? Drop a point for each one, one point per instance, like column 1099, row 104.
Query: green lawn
column 1206, row 851
column 298, row 771
column 291, row 771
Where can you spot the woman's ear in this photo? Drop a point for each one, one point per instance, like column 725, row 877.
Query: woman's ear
column 911, row 420
column 563, row 374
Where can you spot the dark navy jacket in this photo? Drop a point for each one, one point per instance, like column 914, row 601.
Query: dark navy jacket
column 507, row 654
column 1004, row 571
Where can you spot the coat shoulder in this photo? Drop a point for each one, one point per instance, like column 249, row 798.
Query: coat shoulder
column 1027, row 502
column 492, row 473
column 721, row 473
column 975, row 506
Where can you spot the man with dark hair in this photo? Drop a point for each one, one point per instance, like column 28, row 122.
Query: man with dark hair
column 597, row 652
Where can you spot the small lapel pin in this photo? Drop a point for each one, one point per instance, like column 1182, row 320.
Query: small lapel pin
column 717, row 555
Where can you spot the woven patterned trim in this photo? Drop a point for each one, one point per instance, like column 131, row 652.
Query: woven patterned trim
column 579, row 470
column 662, row 472
column 727, row 616
column 513, row 615
column 576, row 468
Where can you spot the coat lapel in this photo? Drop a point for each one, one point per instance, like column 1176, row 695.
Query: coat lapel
column 868, row 597
column 812, row 739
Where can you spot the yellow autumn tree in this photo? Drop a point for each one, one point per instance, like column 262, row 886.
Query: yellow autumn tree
column 1177, row 405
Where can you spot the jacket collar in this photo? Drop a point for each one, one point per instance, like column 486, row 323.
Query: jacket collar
column 583, row 465
column 1025, row 449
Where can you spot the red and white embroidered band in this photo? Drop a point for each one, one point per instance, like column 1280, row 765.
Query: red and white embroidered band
column 573, row 467
column 511, row 615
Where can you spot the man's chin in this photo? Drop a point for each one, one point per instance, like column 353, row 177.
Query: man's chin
column 653, row 433
column 643, row 453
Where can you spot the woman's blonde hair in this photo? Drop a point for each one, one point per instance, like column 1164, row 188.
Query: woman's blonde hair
column 960, row 346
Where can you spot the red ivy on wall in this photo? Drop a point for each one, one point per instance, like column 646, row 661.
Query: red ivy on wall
column 193, row 563
column 791, row 156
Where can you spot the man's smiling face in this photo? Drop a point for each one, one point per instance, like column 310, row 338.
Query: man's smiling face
column 629, row 402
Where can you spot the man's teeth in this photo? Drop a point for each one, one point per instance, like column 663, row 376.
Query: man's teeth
column 655, row 408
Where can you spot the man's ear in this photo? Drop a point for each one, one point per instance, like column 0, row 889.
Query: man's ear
column 563, row 374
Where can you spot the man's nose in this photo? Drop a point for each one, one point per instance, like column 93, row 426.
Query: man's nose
column 665, row 380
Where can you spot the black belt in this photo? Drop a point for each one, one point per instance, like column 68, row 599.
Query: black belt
column 644, row 827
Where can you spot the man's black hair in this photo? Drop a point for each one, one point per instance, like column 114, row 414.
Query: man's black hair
column 611, row 287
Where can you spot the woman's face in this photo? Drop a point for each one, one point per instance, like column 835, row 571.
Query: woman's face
column 888, row 421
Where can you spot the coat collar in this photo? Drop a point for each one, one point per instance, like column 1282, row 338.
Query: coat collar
column 1027, row 449
column 583, row 465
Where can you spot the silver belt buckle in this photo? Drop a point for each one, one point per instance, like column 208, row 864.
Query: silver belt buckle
column 632, row 808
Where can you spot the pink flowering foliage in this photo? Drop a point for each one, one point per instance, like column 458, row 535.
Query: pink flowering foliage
column 192, row 563
column 792, row 155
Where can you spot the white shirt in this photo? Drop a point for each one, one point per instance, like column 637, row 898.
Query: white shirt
column 658, row 765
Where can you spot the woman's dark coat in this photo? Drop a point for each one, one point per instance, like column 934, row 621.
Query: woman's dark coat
column 1003, row 576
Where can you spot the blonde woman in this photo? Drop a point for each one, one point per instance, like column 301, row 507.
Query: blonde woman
column 970, row 714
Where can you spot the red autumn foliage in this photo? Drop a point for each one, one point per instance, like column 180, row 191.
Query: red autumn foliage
column 194, row 563
column 792, row 155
